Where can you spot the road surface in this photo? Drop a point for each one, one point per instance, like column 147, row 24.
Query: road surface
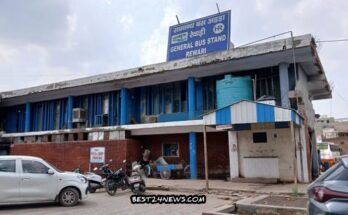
column 100, row 203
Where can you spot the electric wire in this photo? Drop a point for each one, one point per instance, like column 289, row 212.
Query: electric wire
column 332, row 41
column 341, row 97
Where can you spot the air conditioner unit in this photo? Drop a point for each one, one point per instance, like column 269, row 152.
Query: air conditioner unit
column 79, row 115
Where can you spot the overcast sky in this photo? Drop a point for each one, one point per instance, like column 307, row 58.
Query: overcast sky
column 45, row 41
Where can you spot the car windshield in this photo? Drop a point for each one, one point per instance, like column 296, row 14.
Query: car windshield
column 54, row 167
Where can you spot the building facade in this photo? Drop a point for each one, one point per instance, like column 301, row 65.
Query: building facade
column 333, row 130
column 161, row 107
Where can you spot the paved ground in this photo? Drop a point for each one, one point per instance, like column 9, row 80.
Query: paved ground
column 221, row 185
column 283, row 201
column 101, row 203
column 221, row 193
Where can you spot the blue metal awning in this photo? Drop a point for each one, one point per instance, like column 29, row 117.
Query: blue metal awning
column 246, row 111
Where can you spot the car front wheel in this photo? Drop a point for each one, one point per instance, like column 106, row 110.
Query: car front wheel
column 69, row 197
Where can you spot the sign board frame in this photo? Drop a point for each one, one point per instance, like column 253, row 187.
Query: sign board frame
column 99, row 156
column 200, row 36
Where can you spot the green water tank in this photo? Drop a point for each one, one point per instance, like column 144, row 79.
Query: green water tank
column 233, row 89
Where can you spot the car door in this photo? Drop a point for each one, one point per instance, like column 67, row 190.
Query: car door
column 9, row 181
column 36, row 183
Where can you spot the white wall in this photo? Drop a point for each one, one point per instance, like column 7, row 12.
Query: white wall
column 278, row 145
column 301, row 150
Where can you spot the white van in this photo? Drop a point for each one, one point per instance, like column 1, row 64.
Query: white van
column 25, row 179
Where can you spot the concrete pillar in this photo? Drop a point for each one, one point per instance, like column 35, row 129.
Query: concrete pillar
column 191, row 98
column 27, row 125
column 284, row 84
column 233, row 153
column 124, row 107
column 302, row 159
column 192, row 135
column 193, row 155
column 70, row 111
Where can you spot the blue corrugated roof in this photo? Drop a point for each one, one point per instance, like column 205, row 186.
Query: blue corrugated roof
column 246, row 111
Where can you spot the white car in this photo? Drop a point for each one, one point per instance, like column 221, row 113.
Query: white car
column 25, row 179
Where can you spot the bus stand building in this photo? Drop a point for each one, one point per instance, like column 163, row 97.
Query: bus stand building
column 257, row 110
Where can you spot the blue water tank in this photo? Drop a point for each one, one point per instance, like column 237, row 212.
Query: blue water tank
column 233, row 89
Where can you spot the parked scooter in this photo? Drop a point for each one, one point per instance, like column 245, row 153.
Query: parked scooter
column 105, row 172
column 143, row 167
column 94, row 181
column 125, row 178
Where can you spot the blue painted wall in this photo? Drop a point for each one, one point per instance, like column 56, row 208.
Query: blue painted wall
column 57, row 114
column 93, row 104
column 133, row 103
column 191, row 97
column 169, row 101
column 209, row 93
column 43, row 115
column 124, row 106
column 113, row 108
column 70, row 111
column 173, row 117
column 199, row 96
column 27, row 117
column 13, row 118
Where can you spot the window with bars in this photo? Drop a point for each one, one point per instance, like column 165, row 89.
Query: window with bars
column 165, row 98
column 267, row 83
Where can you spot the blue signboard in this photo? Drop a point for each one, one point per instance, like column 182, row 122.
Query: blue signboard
column 201, row 36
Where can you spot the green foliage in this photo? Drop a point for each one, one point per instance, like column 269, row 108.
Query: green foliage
column 133, row 121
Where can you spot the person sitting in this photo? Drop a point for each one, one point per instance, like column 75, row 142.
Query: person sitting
column 145, row 159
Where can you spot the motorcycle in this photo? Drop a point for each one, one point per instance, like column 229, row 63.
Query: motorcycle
column 105, row 172
column 105, row 169
column 124, row 178
column 94, row 181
